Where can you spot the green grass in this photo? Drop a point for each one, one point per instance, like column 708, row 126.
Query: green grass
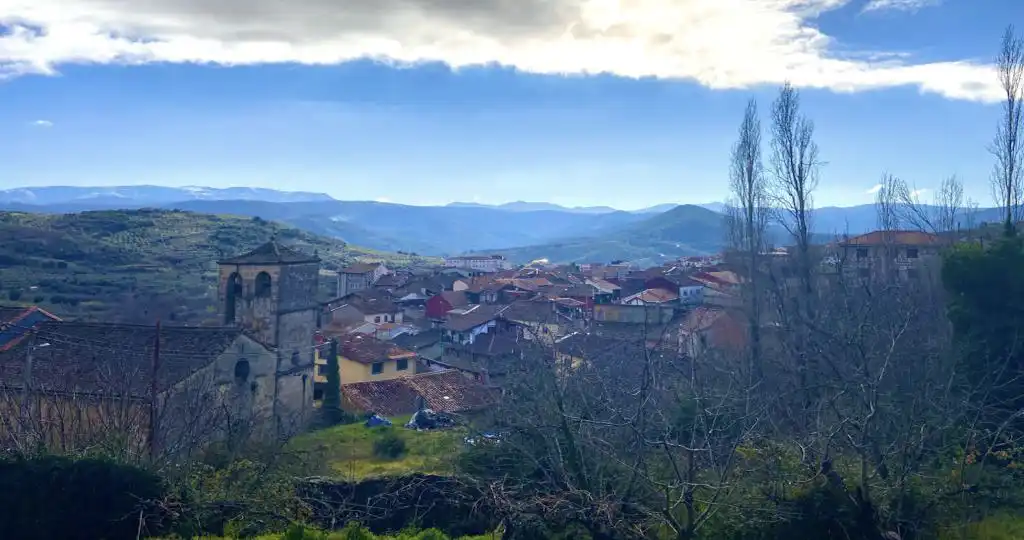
column 141, row 265
column 347, row 451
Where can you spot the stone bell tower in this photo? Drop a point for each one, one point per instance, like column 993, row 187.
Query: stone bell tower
column 271, row 293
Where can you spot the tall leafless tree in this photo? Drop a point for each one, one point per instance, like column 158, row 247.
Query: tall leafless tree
column 1006, row 146
column 749, row 216
column 942, row 216
column 794, row 166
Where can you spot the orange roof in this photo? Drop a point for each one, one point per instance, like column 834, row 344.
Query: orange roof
column 904, row 238
column 655, row 296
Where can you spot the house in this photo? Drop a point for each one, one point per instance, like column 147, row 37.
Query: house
column 536, row 319
column 446, row 391
column 707, row 328
column 904, row 254
column 17, row 321
column 478, row 263
column 80, row 382
column 463, row 325
column 374, row 306
column 652, row 296
column 653, row 314
column 427, row 344
column 606, row 292
column 488, row 359
column 359, row 276
column 439, row 305
column 578, row 348
column 365, row 358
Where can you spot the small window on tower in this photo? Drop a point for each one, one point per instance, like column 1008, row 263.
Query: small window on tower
column 241, row 370
column 262, row 286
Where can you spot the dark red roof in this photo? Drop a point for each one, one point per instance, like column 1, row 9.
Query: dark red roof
column 368, row 350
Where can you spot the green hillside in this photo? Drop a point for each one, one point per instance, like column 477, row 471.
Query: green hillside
column 684, row 230
column 140, row 265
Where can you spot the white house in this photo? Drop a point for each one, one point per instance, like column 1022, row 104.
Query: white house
column 478, row 263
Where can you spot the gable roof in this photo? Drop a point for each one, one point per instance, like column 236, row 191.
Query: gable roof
column 455, row 298
column 654, row 296
column 17, row 321
column 105, row 357
column 271, row 253
column 444, row 391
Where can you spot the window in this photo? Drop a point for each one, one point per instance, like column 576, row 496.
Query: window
column 241, row 370
column 377, row 368
column 318, row 394
column 911, row 253
column 262, row 285
column 376, row 319
column 862, row 253
column 403, row 364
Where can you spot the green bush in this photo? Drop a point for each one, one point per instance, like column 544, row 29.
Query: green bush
column 389, row 446
column 53, row 497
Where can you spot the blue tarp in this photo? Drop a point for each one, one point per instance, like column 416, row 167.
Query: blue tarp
column 377, row 420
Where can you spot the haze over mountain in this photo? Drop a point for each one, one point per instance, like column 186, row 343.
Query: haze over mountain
column 522, row 230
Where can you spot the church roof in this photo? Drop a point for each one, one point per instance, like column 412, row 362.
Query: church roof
column 272, row 253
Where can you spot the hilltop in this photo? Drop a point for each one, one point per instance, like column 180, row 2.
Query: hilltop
column 681, row 231
column 140, row 265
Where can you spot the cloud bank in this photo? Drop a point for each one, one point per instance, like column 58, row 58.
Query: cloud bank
column 42, row 123
column 899, row 5
column 717, row 43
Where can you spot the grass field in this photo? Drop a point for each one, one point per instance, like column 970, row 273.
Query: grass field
column 347, row 451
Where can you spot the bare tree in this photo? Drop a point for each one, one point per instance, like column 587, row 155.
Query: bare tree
column 794, row 172
column 749, row 216
column 1006, row 146
column 940, row 217
column 887, row 202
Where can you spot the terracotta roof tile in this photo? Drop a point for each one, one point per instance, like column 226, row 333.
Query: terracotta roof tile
column 445, row 391
column 904, row 238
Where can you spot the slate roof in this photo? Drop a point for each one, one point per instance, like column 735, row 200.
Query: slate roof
column 478, row 315
column 106, row 357
column 444, row 391
column 541, row 311
column 271, row 253
column 368, row 350
column 414, row 342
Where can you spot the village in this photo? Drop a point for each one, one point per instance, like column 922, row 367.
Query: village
column 442, row 337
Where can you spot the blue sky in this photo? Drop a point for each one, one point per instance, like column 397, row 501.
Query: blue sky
column 496, row 104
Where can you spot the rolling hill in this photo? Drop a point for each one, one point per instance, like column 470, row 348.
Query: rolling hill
column 683, row 230
column 139, row 265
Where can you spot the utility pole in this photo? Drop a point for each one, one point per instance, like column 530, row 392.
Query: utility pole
column 154, row 389
column 27, row 377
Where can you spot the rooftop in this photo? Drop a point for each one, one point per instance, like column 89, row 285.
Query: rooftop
column 901, row 238
column 95, row 357
column 271, row 253
column 361, row 268
column 444, row 391
column 368, row 350
column 472, row 317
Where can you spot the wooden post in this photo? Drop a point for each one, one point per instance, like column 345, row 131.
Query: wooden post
column 154, row 390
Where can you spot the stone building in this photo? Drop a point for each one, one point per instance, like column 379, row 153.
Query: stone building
column 271, row 294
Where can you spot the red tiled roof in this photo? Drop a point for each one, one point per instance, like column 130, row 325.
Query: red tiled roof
column 445, row 391
column 271, row 253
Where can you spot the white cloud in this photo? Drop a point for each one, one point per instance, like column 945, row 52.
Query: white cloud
column 899, row 5
column 718, row 43
column 918, row 192
column 43, row 123
column 874, row 189
column 382, row 200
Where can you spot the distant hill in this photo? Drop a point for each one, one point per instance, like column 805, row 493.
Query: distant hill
column 435, row 230
column 523, row 206
column 683, row 230
column 126, row 197
column 138, row 265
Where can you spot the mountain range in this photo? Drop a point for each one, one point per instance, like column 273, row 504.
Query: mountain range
column 521, row 230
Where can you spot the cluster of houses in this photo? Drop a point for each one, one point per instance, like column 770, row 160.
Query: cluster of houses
column 476, row 315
